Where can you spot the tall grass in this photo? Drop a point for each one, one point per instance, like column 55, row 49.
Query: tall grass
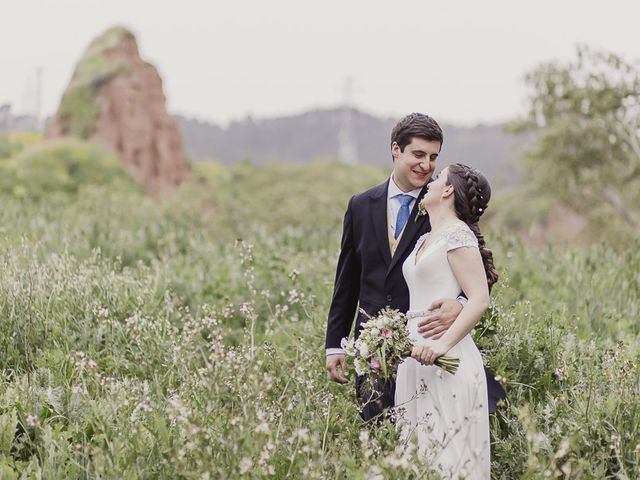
column 184, row 339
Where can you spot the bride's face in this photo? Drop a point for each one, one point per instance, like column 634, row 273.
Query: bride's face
column 438, row 190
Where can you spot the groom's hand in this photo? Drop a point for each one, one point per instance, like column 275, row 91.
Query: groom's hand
column 446, row 311
column 334, row 362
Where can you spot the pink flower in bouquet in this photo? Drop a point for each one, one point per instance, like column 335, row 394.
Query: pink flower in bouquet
column 386, row 332
column 375, row 363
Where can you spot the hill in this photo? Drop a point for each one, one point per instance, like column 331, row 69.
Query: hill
column 314, row 134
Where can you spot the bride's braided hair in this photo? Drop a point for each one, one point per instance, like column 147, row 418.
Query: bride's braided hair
column 472, row 194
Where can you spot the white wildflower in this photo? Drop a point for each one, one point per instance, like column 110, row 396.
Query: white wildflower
column 32, row 420
column 246, row 464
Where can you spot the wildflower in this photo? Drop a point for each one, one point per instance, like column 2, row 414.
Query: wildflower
column 32, row 420
column 563, row 449
column 247, row 310
column 246, row 464
column 293, row 275
column 375, row 473
column 295, row 296
column 561, row 372
column 263, row 426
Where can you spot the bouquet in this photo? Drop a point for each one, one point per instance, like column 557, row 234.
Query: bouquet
column 383, row 344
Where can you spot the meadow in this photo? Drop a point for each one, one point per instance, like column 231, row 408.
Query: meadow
column 184, row 337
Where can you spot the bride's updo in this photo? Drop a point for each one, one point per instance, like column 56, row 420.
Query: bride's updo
column 472, row 194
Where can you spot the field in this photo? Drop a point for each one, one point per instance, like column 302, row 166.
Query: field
column 184, row 338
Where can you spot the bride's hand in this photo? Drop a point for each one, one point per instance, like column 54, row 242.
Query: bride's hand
column 427, row 354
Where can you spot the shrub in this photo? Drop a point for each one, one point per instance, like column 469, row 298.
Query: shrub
column 64, row 167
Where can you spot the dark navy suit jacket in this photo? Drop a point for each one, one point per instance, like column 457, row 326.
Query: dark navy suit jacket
column 366, row 272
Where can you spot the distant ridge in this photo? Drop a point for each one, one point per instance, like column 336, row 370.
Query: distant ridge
column 314, row 134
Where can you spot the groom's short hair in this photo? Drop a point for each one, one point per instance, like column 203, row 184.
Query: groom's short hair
column 416, row 125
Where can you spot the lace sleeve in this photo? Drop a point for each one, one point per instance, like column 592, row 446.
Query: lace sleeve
column 461, row 236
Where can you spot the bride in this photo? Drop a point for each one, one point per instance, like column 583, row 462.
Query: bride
column 448, row 414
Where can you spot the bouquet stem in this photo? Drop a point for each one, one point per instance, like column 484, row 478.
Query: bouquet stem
column 450, row 364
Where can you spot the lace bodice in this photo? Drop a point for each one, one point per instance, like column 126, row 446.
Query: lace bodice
column 457, row 235
column 427, row 271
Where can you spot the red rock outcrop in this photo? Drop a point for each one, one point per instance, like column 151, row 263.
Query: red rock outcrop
column 115, row 98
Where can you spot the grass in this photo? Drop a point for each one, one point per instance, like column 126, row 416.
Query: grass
column 184, row 339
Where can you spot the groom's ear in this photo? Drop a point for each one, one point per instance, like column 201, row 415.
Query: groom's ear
column 395, row 150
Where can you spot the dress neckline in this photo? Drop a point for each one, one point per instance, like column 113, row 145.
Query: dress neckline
column 420, row 251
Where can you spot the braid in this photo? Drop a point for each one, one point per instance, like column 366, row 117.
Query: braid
column 472, row 197
column 487, row 256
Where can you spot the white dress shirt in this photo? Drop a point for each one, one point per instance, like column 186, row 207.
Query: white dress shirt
column 393, row 202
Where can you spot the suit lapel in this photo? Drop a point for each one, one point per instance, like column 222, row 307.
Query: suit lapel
column 379, row 220
column 410, row 232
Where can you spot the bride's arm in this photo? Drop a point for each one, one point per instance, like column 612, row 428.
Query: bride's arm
column 467, row 266
column 468, row 269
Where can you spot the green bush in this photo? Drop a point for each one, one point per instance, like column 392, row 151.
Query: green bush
column 64, row 167
column 5, row 147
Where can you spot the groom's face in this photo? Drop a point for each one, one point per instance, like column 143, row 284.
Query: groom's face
column 413, row 167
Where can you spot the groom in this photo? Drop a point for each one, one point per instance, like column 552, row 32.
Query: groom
column 379, row 232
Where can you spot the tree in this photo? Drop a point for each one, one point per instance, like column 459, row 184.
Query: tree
column 586, row 116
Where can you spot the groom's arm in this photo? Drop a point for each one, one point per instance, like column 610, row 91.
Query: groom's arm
column 346, row 290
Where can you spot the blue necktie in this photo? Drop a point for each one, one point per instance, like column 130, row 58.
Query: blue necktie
column 403, row 213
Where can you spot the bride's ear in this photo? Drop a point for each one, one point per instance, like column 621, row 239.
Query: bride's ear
column 448, row 191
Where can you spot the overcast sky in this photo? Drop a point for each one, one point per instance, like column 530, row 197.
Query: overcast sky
column 461, row 61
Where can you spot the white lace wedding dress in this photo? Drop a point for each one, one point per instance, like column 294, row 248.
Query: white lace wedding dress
column 448, row 414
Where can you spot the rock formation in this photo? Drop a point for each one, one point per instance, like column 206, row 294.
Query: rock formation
column 116, row 99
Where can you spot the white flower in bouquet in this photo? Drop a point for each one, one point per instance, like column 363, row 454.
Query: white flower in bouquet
column 348, row 346
column 360, row 366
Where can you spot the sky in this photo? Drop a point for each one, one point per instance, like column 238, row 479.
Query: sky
column 462, row 61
